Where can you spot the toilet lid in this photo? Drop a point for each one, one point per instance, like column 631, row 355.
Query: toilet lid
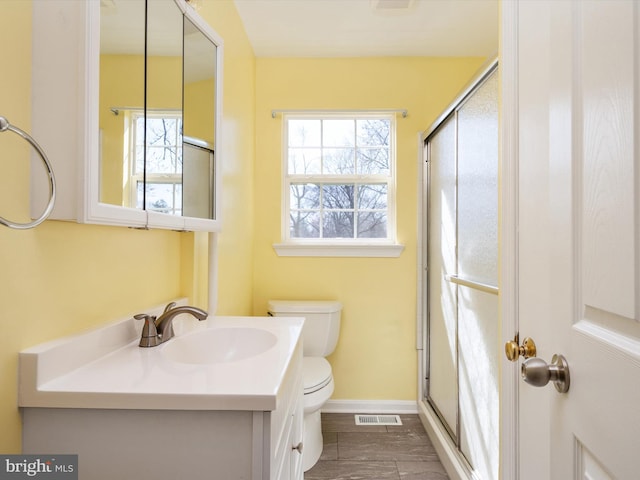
column 316, row 373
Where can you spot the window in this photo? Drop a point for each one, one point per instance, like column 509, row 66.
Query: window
column 339, row 181
column 163, row 161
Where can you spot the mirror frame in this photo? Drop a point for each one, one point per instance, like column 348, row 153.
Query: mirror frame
column 91, row 209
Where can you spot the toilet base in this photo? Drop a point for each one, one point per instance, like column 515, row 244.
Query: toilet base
column 312, row 436
column 313, row 442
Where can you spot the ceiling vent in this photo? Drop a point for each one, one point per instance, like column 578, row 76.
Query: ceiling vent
column 391, row 5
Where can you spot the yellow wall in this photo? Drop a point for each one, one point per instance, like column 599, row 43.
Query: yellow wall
column 121, row 85
column 236, row 149
column 376, row 355
column 62, row 277
column 200, row 122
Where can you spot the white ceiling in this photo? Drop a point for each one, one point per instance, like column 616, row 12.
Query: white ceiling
column 364, row 28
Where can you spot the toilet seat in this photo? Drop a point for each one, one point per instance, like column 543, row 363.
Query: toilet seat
column 316, row 374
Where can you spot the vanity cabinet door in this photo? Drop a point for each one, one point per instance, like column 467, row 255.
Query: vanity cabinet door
column 288, row 458
column 296, row 441
column 287, row 424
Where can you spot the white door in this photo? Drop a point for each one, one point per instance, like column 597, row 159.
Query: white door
column 576, row 72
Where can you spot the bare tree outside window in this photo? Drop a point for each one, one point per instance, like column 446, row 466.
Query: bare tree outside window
column 339, row 173
column 159, row 161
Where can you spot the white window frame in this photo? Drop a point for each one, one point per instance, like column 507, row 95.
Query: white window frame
column 134, row 176
column 339, row 247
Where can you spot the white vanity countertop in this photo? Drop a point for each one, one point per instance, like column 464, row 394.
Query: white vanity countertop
column 105, row 368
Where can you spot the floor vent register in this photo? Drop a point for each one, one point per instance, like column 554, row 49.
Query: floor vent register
column 378, row 420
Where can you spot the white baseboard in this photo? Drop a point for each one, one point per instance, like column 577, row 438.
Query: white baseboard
column 371, row 406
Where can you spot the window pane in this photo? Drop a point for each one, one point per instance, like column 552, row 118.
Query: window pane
column 304, row 196
column 164, row 197
column 338, row 224
column 159, row 197
column 139, row 163
column 372, row 196
column 373, row 161
column 164, row 145
column 139, row 195
column 163, row 160
column 304, row 133
column 372, row 225
column 162, row 131
column 139, row 131
column 304, row 224
column 177, row 207
column 338, row 161
column 338, row 196
column 373, row 132
column 304, row 161
column 338, row 133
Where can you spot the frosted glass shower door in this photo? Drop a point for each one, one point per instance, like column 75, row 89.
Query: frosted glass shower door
column 443, row 342
column 462, row 250
column 478, row 263
column 198, row 178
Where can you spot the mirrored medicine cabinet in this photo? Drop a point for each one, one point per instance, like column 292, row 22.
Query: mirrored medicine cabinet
column 142, row 96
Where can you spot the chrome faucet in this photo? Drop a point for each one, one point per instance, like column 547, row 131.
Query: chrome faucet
column 158, row 330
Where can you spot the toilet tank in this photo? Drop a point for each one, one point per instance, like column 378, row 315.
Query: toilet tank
column 321, row 324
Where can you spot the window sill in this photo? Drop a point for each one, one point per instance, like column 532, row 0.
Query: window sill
column 359, row 250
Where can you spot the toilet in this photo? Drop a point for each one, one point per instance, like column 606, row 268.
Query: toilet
column 320, row 336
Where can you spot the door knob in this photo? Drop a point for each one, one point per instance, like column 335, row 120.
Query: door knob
column 538, row 373
column 513, row 350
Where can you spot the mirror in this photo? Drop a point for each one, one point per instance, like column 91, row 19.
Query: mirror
column 198, row 123
column 121, row 97
column 157, row 138
column 159, row 185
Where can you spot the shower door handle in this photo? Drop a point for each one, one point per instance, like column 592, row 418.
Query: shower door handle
column 483, row 287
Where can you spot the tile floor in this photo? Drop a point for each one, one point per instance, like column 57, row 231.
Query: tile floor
column 375, row 452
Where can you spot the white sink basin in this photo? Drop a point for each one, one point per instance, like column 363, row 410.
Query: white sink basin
column 223, row 363
column 219, row 345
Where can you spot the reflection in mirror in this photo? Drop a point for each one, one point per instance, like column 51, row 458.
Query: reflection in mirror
column 161, row 188
column 199, row 122
column 197, row 180
column 121, row 102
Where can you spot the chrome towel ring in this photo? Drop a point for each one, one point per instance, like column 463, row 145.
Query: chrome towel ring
column 5, row 125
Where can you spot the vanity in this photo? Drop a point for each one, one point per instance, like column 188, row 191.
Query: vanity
column 221, row 400
column 127, row 101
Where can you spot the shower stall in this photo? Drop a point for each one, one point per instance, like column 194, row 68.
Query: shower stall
column 459, row 288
